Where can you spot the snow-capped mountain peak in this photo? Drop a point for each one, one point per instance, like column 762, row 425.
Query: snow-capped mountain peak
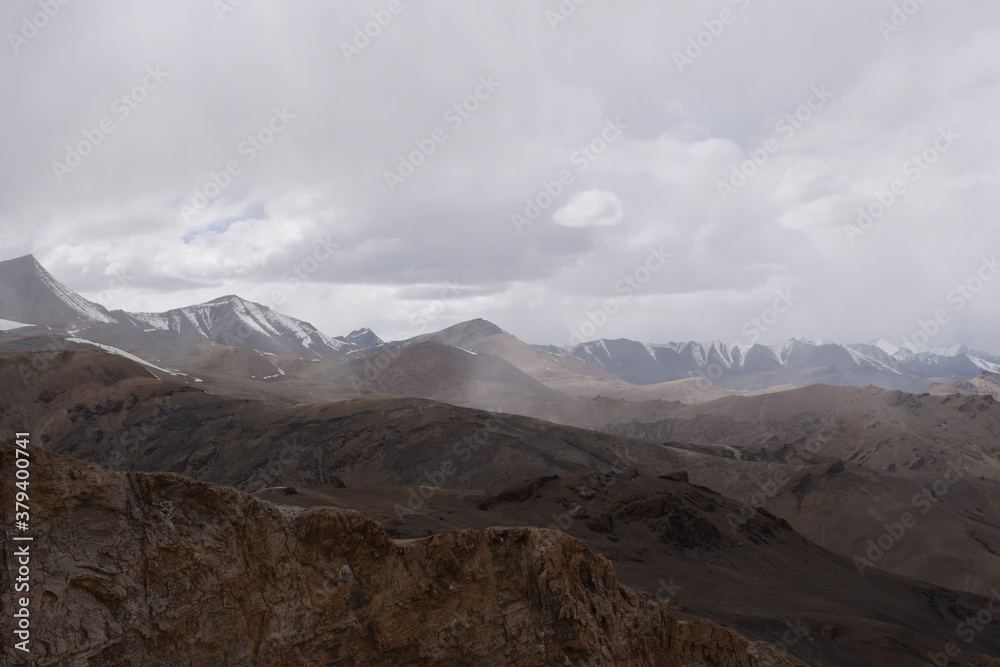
column 233, row 320
column 794, row 362
column 363, row 337
column 937, row 350
column 29, row 294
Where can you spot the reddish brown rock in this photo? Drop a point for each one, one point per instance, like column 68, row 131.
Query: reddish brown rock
column 133, row 568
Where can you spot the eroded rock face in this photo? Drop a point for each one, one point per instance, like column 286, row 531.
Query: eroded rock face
column 158, row 569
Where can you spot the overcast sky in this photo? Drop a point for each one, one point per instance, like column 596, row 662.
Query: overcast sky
column 515, row 161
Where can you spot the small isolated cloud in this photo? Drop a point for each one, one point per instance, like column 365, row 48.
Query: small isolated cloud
column 590, row 208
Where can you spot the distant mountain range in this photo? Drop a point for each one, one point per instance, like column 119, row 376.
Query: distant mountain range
column 31, row 296
column 797, row 362
column 34, row 302
column 707, row 477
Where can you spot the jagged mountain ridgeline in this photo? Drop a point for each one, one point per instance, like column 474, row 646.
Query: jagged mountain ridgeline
column 31, row 300
column 223, row 484
column 794, row 363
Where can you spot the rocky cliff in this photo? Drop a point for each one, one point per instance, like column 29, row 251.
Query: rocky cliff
column 156, row 569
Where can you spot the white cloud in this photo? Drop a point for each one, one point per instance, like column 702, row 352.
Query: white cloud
column 590, row 208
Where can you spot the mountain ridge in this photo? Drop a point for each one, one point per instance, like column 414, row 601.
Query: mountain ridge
column 735, row 366
column 233, row 320
column 30, row 295
column 312, row 586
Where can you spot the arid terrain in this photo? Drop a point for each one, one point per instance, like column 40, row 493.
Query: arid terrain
column 466, row 498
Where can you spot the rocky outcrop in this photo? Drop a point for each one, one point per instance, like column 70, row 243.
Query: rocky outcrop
column 133, row 568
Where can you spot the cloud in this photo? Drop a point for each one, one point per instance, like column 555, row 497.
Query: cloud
column 591, row 208
column 318, row 187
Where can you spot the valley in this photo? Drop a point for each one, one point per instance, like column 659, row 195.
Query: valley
column 865, row 518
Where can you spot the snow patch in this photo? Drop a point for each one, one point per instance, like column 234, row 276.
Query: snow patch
column 949, row 351
column 122, row 353
column 985, row 365
column 864, row 360
column 8, row 325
